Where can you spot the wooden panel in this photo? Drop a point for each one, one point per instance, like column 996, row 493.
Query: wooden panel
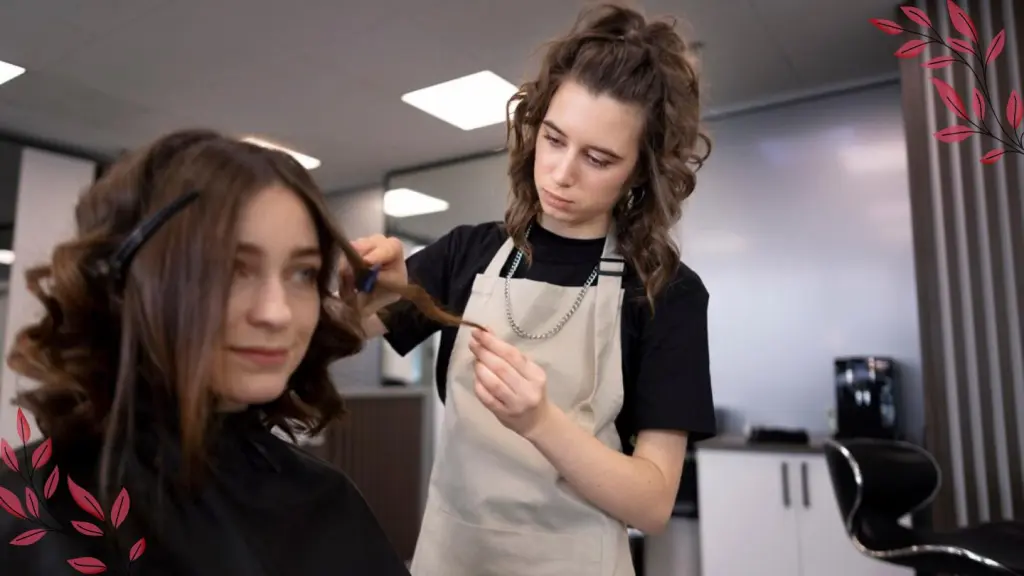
column 379, row 445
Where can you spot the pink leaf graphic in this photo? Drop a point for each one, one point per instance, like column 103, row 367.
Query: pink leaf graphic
column 8, row 456
column 912, row 48
column 51, row 483
column 996, row 47
column 950, row 98
column 23, row 429
column 10, row 503
column 954, row 134
column 41, row 455
column 961, row 21
column 85, row 500
column 137, row 549
column 119, row 510
column 888, row 26
column 992, row 156
column 917, row 15
column 88, row 565
column 1014, row 112
column 939, row 62
column 86, row 528
column 962, row 46
column 31, row 502
column 29, row 538
column 978, row 104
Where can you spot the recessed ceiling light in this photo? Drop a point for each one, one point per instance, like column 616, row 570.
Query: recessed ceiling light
column 470, row 102
column 403, row 202
column 9, row 72
column 6, row 257
column 308, row 162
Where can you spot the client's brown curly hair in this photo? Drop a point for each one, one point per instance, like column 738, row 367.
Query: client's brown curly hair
column 100, row 346
column 613, row 49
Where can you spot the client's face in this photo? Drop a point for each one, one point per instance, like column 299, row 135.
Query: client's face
column 274, row 303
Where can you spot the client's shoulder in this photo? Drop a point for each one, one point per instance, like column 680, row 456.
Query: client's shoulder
column 301, row 463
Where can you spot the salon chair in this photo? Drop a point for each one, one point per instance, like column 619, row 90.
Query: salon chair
column 878, row 482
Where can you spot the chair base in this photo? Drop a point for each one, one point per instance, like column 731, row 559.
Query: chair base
column 995, row 549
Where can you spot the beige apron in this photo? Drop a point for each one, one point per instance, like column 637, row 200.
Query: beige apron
column 496, row 505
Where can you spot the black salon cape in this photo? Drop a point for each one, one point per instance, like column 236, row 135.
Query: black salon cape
column 266, row 509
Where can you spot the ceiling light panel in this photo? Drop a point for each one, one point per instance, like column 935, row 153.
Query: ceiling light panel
column 9, row 72
column 404, row 202
column 468, row 103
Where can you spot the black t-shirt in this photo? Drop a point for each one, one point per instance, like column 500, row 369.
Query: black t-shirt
column 665, row 362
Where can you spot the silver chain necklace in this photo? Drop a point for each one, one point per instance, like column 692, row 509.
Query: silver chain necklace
column 561, row 323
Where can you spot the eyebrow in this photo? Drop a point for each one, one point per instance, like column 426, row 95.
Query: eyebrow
column 300, row 252
column 562, row 133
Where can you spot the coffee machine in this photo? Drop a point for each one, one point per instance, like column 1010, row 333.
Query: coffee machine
column 866, row 397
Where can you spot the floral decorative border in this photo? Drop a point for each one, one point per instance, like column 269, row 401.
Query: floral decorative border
column 1004, row 133
column 36, row 514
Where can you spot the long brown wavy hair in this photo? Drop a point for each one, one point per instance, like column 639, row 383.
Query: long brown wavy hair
column 98, row 348
column 614, row 50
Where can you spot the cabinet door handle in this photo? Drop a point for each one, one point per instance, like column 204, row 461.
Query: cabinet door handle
column 804, row 485
column 785, row 484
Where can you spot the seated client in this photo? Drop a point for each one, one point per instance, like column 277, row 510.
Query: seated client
column 195, row 310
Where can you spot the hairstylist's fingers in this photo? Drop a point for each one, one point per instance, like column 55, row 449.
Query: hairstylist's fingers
column 363, row 246
column 386, row 253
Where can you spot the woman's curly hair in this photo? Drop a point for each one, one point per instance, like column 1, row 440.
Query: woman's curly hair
column 101, row 345
column 614, row 50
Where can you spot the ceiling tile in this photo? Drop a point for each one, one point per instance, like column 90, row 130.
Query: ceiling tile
column 830, row 42
column 33, row 38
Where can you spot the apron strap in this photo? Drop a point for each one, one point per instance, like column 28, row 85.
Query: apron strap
column 607, row 313
column 501, row 258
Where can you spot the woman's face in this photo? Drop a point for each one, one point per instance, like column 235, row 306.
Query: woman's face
column 274, row 302
column 587, row 148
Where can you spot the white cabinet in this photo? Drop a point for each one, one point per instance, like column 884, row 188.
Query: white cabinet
column 774, row 514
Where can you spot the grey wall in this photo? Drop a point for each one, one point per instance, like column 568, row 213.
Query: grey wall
column 359, row 213
column 800, row 227
column 49, row 186
column 476, row 191
column 10, row 168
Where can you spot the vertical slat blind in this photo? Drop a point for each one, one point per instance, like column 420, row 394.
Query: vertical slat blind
column 968, row 220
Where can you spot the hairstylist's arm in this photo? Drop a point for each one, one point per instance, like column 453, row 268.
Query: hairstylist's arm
column 638, row 490
column 674, row 405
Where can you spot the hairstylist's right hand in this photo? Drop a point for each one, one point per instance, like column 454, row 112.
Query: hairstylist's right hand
column 389, row 255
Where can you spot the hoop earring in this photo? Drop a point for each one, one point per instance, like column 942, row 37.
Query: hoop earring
column 634, row 198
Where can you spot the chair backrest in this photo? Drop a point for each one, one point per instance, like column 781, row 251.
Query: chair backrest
column 883, row 479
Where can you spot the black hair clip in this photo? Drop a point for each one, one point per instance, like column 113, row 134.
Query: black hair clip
column 117, row 264
column 369, row 279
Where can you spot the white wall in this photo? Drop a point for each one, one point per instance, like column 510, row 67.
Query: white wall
column 49, row 186
column 800, row 227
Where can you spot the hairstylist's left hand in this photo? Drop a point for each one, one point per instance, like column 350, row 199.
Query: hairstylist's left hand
column 508, row 383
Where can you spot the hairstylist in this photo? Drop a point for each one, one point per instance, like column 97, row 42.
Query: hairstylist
column 569, row 419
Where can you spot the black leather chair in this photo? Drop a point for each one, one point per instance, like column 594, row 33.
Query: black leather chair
column 877, row 482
